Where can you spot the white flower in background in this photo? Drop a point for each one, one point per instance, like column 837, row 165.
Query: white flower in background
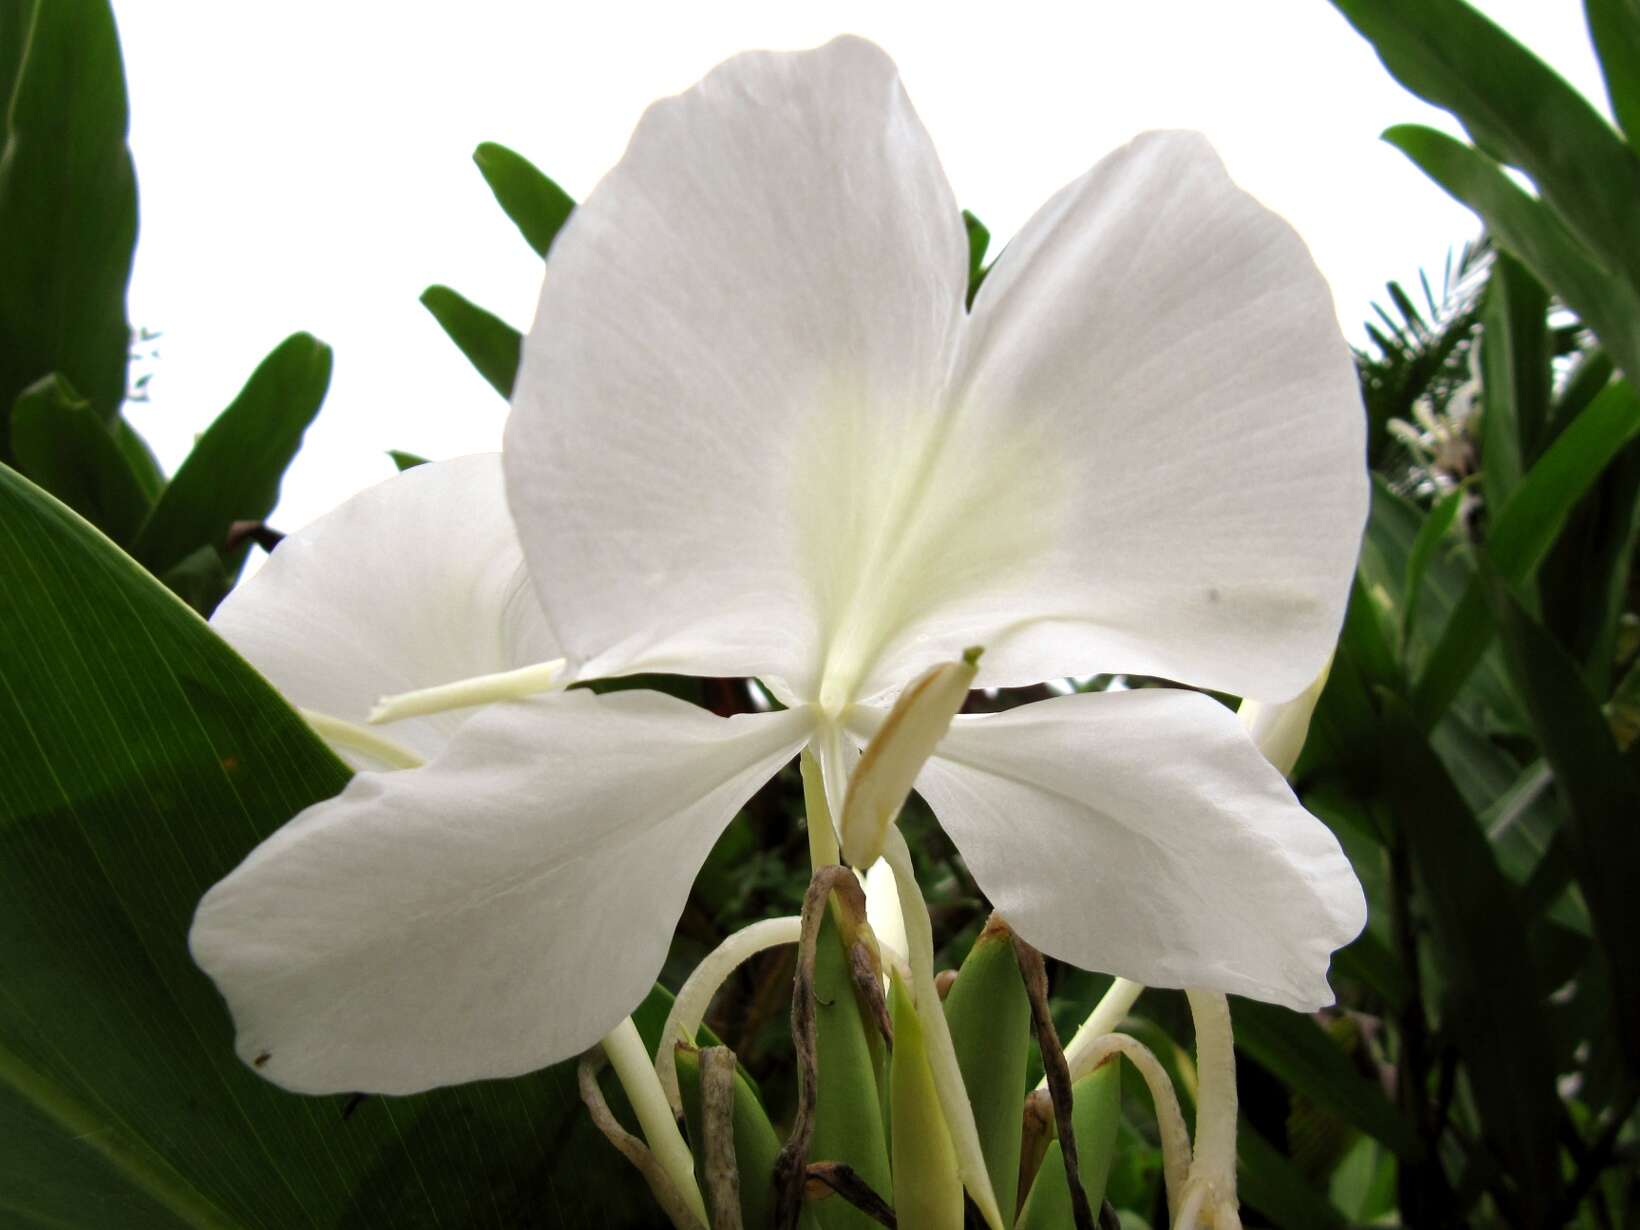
column 756, row 434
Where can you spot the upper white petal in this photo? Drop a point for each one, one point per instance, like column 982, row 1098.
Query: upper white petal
column 1156, row 364
column 490, row 913
column 741, row 331
column 1142, row 834
column 416, row 581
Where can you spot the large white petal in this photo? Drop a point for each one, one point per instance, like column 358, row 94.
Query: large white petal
column 735, row 367
column 493, row 912
column 1142, row 834
column 1160, row 359
column 416, row 581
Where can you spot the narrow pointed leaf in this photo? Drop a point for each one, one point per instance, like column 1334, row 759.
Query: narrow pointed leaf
column 1527, row 228
column 490, row 343
column 1518, row 110
column 234, row 471
column 537, row 206
column 927, row 1188
column 1515, row 360
column 61, row 444
column 1096, row 1114
column 1524, row 531
column 989, row 1016
column 1299, row 1051
column 1491, row 990
column 1602, row 797
column 848, row 1114
column 68, row 211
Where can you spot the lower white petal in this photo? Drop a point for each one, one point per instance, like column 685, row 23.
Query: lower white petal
column 1142, row 834
column 490, row 913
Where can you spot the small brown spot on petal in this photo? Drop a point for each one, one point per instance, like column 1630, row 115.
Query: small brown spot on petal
column 261, row 1060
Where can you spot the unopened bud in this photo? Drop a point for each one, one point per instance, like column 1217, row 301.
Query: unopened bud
column 888, row 767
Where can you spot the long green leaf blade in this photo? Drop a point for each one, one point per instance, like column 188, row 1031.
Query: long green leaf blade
column 1518, row 110
column 68, row 212
column 1615, row 27
column 142, row 761
column 1527, row 228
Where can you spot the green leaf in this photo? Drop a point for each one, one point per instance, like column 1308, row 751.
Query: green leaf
column 1515, row 362
column 68, row 212
column 143, row 760
column 15, row 19
column 1615, row 28
column 490, row 343
column 1275, row 1187
column 537, row 206
column 989, row 1015
column 848, row 1111
column 1602, row 797
column 1301, row 1053
column 405, row 461
column 927, row 1188
column 1096, row 1113
column 1431, row 533
column 1529, row 524
column 140, row 457
column 1491, row 991
column 1524, row 531
column 1527, row 228
column 234, row 471
column 63, row 446
column 1517, row 110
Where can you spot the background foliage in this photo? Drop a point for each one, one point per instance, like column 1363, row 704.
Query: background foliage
column 1475, row 749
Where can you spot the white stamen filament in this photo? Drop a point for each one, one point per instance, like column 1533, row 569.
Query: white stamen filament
column 630, row 1059
column 362, row 739
column 689, row 1008
column 1175, row 1137
column 942, row 1053
column 1213, row 1167
column 1107, row 1014
column 465, row 693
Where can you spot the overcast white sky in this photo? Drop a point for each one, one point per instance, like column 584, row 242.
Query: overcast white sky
column 306, row 164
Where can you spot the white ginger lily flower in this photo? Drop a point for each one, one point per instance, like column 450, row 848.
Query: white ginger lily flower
column 756, row 434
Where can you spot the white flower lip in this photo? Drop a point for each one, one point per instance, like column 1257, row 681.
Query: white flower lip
column 756, row 432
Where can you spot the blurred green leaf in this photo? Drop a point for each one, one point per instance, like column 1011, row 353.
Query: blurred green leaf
column 1275, row 1187
column 1437, row 525
column 1515, row 360
column 1615, row 27
column 15, row 18
column 490, row 343
column 1518, row 111
column 537, row 206
column 143, row 760
column 68, row 211
column 63, row 446
column 139, row 457
column 234, row 471
column 1522, row 534
column 1300, row 1052
column 979, row 239
column 1490, row 989
column 1602, row 797
column 1526, row 227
